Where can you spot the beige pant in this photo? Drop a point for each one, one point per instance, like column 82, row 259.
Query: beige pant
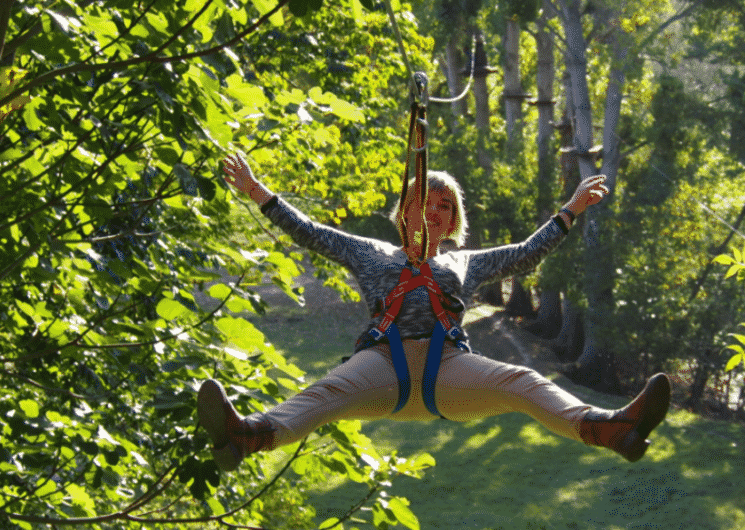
column 468, row 387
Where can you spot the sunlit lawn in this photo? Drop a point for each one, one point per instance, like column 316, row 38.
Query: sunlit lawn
column 509, row 472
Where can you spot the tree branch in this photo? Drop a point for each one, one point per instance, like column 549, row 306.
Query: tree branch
column 5, row 9
column 68, row 393
column 678, row 16
column 75, row 343
column 182, row 28
column 154, row 491
column 150, row 58
column 125, row 32
column 354, row 509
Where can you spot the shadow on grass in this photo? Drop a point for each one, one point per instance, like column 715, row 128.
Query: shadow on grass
column 510, row 473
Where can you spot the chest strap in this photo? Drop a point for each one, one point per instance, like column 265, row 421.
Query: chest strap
column 407, row 283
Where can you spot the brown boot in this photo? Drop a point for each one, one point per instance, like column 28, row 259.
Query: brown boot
column 233, row 437
column 626, row 430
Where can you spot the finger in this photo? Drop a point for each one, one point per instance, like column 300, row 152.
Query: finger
column 595, row 179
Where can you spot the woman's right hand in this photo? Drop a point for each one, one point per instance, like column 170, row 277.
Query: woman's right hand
column 238, row 174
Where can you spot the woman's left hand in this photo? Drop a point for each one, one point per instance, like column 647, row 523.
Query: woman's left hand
column 590, row 191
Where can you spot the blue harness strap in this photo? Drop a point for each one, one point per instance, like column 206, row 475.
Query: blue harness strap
column 432, row 367
column 399, row 364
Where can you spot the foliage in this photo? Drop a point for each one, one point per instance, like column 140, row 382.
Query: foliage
column 736, row 269
column 117, row 228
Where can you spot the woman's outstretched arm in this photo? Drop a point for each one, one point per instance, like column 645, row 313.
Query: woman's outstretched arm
column 521, row 258
column 349, row 250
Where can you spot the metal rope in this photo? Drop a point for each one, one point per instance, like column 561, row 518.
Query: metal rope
column 702, row 205
column 410, row 70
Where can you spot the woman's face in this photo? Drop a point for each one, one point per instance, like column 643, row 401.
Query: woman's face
column 440, row 213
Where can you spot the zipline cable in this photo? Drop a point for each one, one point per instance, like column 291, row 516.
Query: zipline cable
column 702, row 205
column 410, row 70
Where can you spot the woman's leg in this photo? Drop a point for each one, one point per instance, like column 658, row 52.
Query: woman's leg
column 471, row 386
column 363, row 387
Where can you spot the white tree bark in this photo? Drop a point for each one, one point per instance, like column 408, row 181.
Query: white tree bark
column 596, row 365
column 454, row 69
column 577, row 66
column 545, row 82
column 512, row 84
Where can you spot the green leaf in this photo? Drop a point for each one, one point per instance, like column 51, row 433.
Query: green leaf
column 29, row 407
column 357, row 13
column 264, row 6
column 215, row 506
column 734, row 361
column 168, row 155
column 346, row 110
column 734, row 269
column 329, row 523
column 738, row 337
column 724, row 259
column 170, row 309
column 399, row 507
column 220, row 290
column 737, row 254
column 81, row 498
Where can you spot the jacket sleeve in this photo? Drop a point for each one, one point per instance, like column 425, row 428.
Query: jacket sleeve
column 347, row 249
column 514, row 259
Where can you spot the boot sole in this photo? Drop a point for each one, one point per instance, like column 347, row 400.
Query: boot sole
column 636, row 443
column 211, row 403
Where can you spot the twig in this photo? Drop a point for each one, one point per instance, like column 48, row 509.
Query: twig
column 150, row 58
column 354, row 509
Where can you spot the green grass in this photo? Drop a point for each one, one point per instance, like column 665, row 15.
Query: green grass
column 508, row 472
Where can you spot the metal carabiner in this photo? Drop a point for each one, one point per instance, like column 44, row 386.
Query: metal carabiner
column 420, row 89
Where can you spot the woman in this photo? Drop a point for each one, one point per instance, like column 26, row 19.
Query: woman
column 467, row 386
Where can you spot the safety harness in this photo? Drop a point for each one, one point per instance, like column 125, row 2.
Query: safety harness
column 412, row 228
column 445, row 328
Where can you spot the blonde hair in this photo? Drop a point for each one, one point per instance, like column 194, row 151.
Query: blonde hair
column 443, row 181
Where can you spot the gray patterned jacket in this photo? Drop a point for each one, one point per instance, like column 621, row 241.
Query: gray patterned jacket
column 377, row 265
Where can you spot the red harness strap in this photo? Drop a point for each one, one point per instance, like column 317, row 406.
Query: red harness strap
column 407, row 283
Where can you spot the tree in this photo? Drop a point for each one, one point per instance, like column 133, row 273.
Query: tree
column 115, row 214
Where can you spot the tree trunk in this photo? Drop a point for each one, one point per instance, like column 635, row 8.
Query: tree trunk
column 481, row 96
column 454, row 68
column 545, row 82
column 512, row 85
column 596, row 366
column 548, row 321
column 696, row 392
column 569, row 342
column 577, row 67
column 519, row 304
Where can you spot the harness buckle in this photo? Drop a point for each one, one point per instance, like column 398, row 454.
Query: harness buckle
column 454, row 332
column 376, row 334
